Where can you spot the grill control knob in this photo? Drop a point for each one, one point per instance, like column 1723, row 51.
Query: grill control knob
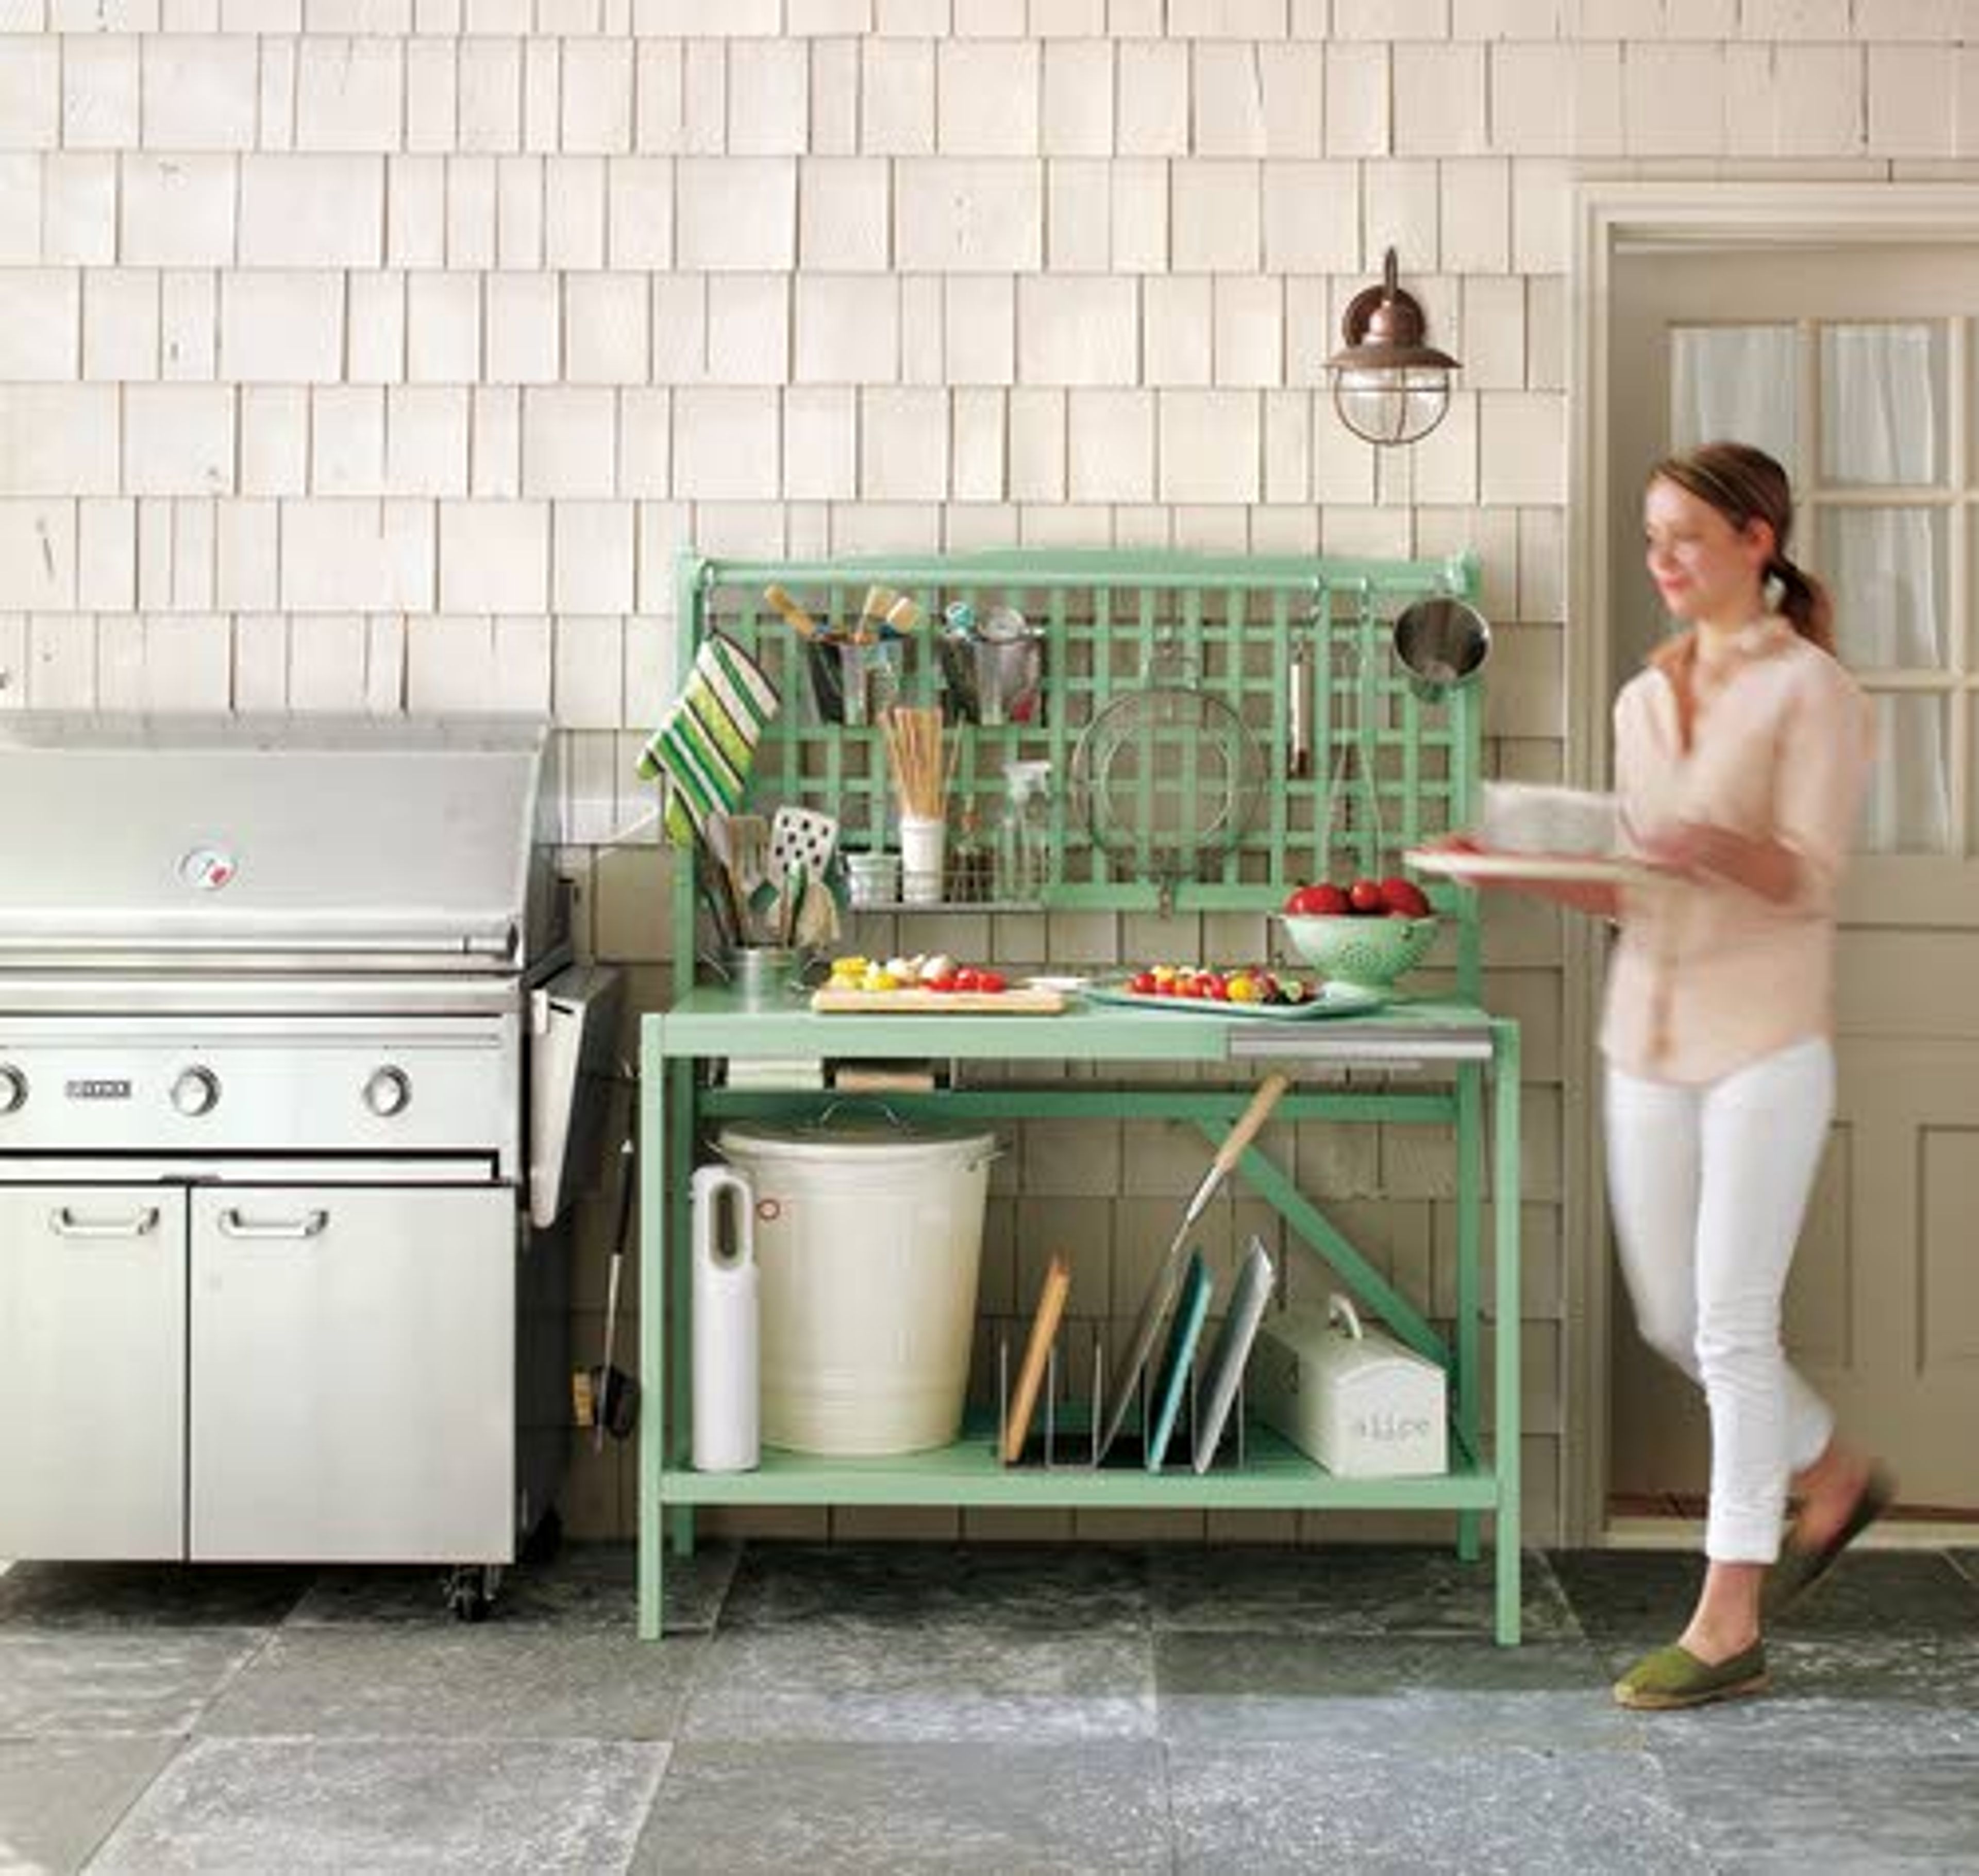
column 196, row 1091
column 389, row 1092
column 13, row 1089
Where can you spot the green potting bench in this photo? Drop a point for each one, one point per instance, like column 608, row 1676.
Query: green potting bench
column 1237, row 621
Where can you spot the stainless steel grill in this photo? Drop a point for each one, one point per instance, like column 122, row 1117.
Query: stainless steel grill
column 272, row 997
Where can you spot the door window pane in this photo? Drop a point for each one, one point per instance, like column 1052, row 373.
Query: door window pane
column 1734, row 384
column 1882, row 387
column 1908, row 806
column 1888, row 569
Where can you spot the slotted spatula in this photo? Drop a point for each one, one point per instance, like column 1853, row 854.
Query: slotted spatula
column 802, row 837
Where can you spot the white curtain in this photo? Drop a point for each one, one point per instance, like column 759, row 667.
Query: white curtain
column 1736, row 384
column 1882, row 389
column 1909, row 807
column 1886, row 568
column 1879, row 395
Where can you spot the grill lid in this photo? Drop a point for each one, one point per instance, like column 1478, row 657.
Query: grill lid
column 388, row 841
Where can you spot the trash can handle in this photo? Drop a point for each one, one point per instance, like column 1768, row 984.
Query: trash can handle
column 1340, row 1308
column 892, row 1115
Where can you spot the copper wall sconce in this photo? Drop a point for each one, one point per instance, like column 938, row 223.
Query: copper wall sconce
column 1389, row 385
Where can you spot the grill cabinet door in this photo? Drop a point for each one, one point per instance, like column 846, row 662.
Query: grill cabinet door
column 353, row 1360
column 92, row 1371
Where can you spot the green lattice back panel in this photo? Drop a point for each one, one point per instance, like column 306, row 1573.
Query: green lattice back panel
column 1388, row 768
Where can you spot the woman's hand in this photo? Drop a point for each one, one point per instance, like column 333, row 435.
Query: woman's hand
column 1697, row 849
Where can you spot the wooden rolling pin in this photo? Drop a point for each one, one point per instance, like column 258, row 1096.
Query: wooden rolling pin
column 793, row 615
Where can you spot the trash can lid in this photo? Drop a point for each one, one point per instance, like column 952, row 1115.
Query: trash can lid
column 871, row 1140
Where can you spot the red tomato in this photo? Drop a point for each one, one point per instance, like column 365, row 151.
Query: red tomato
column 1142, row 983
column 1364, row 897
column 968, row 979
column 1404, row 897
column 1321, row 901
column 992, row 981
column 938, row 983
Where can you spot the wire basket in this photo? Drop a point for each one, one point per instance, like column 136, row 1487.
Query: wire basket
column 1167, row 778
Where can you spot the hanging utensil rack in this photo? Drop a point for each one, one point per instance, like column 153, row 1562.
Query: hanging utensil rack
column 1105, row 616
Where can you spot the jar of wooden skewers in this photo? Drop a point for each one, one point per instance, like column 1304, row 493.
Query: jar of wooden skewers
column 921, row 774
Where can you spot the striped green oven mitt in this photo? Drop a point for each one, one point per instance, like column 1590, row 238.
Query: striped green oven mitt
column 707, row 739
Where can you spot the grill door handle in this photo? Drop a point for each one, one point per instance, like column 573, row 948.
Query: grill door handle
column 64, row 1223
column 310, row 1224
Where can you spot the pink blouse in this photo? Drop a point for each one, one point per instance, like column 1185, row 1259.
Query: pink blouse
column 1707, row 976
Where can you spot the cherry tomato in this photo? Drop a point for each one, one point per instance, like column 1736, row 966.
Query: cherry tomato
column 968, row 978
column 1142, row 983
column 992, row 981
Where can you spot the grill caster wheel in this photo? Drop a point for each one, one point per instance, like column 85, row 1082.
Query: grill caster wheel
column 470, row 1590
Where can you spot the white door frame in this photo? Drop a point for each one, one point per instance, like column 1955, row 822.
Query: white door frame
column 1743, row 215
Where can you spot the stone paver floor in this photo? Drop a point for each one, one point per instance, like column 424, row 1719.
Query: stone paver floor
column 881, row 1708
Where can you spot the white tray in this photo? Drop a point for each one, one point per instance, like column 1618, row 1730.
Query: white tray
column 1587, row 868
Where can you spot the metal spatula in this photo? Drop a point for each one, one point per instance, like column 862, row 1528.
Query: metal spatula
column 749, row 841
column 749, row 849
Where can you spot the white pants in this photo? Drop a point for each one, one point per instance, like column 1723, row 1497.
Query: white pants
column 1708, row 1185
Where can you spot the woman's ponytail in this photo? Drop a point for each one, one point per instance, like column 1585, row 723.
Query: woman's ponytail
column 1805, row 602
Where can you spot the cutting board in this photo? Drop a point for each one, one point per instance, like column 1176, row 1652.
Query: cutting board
column 937, row 1002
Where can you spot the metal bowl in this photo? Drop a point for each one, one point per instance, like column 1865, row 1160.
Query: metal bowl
column 1442, row 644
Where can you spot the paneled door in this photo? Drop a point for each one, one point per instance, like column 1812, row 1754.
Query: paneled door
column 92, row 1371
column 1859, row 369
column 353, row 1392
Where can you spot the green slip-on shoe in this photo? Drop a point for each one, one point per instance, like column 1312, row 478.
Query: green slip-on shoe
column 1673, row 1677
column 1800, row 1569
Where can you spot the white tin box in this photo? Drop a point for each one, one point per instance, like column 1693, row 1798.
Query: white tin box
column 1355, row 1399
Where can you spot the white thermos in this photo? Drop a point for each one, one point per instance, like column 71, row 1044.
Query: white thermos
column 727, row 1337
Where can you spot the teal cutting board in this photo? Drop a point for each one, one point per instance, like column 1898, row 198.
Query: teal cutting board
column 1178, row 1358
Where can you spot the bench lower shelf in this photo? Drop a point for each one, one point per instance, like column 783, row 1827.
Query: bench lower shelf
column 1275, row 1476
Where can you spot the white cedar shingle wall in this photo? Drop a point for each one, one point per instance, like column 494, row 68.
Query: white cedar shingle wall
column 380, row 354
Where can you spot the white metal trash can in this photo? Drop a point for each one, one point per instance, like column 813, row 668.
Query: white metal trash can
column 869, row 1241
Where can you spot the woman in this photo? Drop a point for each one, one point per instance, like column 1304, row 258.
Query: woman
column 1741, row 752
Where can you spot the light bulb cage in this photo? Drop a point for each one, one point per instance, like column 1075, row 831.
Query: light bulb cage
column 1390, row 386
